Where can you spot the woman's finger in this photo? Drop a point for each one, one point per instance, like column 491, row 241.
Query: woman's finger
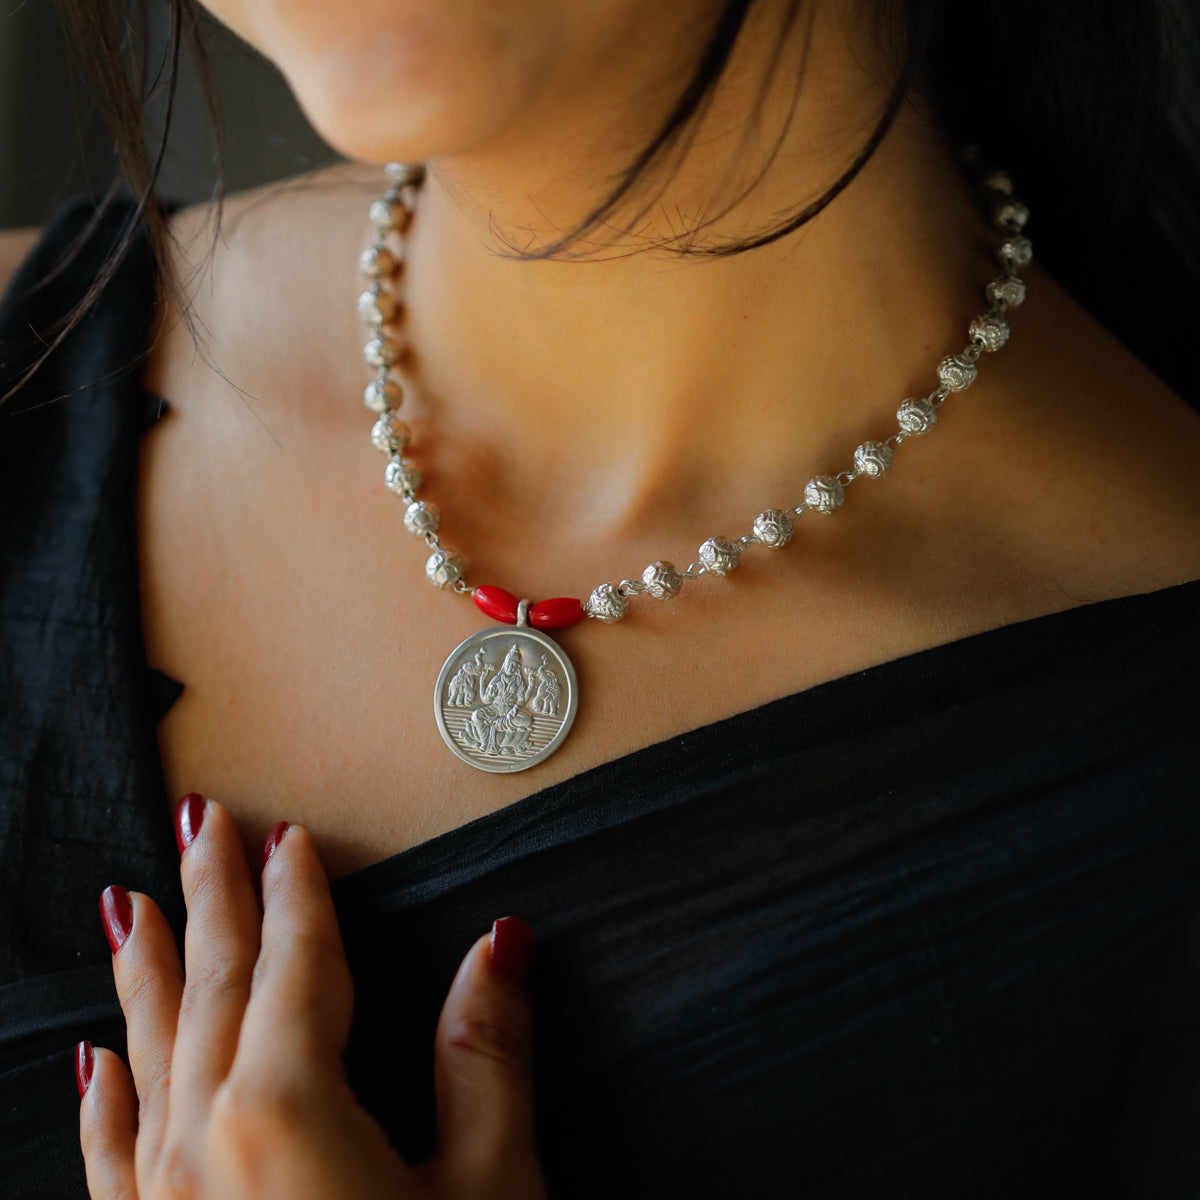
column 482, row 1071
column 300, row 1010
column 286, row 1116
column 220, row 949
column 149, row 980
column 108, row 1123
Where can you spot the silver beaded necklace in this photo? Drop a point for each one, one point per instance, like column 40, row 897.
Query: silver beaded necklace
column 506, row 697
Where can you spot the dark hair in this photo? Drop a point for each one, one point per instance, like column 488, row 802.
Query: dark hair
column 1080, row 99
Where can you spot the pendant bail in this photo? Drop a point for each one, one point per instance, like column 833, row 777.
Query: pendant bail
column 522, row 613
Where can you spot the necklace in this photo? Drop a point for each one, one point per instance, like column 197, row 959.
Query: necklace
column 506, row 697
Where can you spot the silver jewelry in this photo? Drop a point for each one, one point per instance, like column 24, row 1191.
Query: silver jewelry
column 506, row 697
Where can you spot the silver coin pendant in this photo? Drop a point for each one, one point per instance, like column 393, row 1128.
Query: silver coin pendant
column 505, row 698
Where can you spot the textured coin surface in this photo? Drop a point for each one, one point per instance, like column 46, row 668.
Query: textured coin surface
column 505, row 698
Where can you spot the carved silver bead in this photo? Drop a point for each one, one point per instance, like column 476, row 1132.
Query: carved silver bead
column 720, row 556
column 873, row 459
column 1010, row 216
column 957, row 373
column 605, row 603
column 404, row 174
column 443, row 569
column 916, row 416
column 662, row 580
column 402, row 476
column 989, row 331
column 390, row 434
column 376, row 306
column 824, row 493
column 382, row 351
column 387, row 214
column 381, row 394
column 773, row 528
column 422, row 518
column 998, row 181
column 1016, row 252
column 1008, row 288
column 377, row 262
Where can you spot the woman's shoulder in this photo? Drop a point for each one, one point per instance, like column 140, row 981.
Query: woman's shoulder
column 1098, row 477
column 15, row 245
column 72, row 244
column 262, row 280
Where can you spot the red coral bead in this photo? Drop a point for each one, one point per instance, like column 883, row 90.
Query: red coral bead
column 496, row 603
column 555, row 614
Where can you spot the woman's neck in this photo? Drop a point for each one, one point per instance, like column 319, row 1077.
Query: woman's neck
column 636, row 383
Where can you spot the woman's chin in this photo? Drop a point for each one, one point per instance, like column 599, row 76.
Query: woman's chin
column 379, row 100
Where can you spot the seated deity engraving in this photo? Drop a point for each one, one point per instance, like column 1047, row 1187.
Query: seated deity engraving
column 501, row 726
column 460, row 691
column 546, row 697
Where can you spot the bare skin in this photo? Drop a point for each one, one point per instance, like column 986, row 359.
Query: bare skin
column 278, row 586
column 578, row 420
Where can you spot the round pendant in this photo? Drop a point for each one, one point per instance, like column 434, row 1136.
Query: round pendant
column 505, row 698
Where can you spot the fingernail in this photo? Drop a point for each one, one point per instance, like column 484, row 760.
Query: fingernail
column 272, row 842
column 189, row 815
column 117, row 914
column 512, row 952
column 84, row 1061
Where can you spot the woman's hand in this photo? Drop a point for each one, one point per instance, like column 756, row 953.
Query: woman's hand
column 237, row 1086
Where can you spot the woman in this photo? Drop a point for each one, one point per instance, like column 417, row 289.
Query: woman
column 859, row 869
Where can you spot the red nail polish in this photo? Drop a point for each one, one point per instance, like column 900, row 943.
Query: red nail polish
column 117, row 914
column 512, row 952
column 84, row 1061
column 272, row 842
column 189, row 815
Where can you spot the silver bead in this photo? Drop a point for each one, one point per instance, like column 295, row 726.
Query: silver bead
column 377, row 262
column 1016, row 252
column 382, row 351
column 390, row 434
column 381, row 394
column 376, row 306
column 1008, row 288
column 1010, row 216
column 387, row 215
column 605, row 603
column 720, row 556
column 662, row 580
column 957, row 373
column 443, row 569
column 422, row 518
column 773, row 528
column 824, row 493
column 402, row 174
column 997, row 181
column 402, row 476
column 873, row 459
column 916, row 416
column 989, row 331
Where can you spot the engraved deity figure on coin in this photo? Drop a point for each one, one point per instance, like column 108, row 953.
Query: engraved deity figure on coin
column 502, row 726
column 506, row 698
